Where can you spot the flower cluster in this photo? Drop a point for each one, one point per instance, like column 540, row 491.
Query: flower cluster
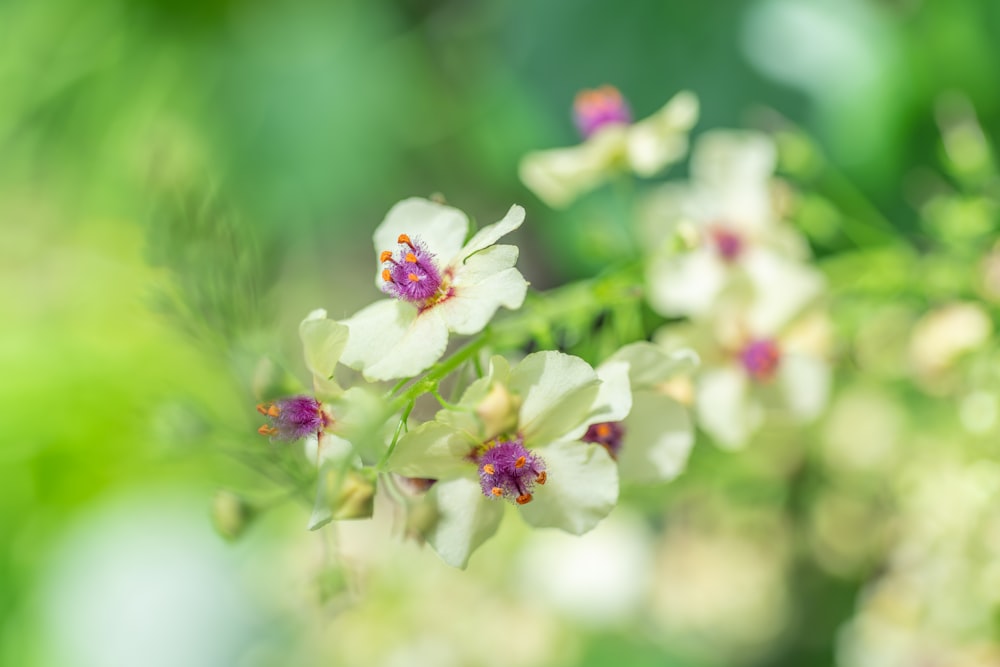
column 552, row 435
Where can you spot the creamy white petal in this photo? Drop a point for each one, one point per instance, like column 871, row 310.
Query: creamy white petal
column 722, row 159
column 442, row 228
column 614, row 397
column 433, row 450
column 805, row 383
column 658, row 438
column 560, row 175
column 581, row 488
column 557, row 391
column 661, row 139
column 686, row 284
column 651, row 364
column 482, row 284
column 733, row 169
column 360, row 416
column 723, row 406
column 466, row 519
column 323, row 342
column 490, row 234
column 389, row 340
column 782, row 289
column 660, row 213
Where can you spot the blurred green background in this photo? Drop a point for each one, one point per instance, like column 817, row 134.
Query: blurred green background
column 311, row 119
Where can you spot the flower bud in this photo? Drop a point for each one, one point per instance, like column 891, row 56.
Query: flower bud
column 498, row 410
column 231, row 514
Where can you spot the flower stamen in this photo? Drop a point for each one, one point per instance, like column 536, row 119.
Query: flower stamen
column 508, row 470
column 294, row 418
column 411, row 273
column 607, row 434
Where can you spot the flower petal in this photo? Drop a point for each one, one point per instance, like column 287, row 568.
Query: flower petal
column 490, row 234
column 433, row 450
column 581, row 488
column 561, row 175
column 441, row 228
column 323, row 342
column 661, row 139
column 557, row 392
column 723, row 407
column 686, row 284
column 651, row 365
column 389, row 340
column 723, row 159
column 482, row 284
column 658, row 439
column 782, row 288
column 614, row 397
column 805, row 383
column 466, row 519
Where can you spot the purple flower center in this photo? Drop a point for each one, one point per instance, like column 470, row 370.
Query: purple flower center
column 508, row 470
column 594, row 109
column 411, row 274
column 607, row 434
column 728, row 243
column 761, row 359
column 293, row 418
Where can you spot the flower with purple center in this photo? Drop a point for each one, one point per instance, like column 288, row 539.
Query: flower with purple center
column 508, row 470
column 527, row 449
column 753, row 372
column 761, row 358
column 736, row 243
column 612, row 144
column 598, row 108
column 439, row 283
column 293, row 418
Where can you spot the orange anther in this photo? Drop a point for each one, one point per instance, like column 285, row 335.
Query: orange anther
column 541, row 477
column 403, row 238
column 262, row 408
column 273, row 411
column 603, row 430
column 267, row 430
column 496, row 491
column 387, row 275
column 385, row 256
column 411, row 258
column 519, row 463
column 524, row 499
column 414, row 278
column 489, row 469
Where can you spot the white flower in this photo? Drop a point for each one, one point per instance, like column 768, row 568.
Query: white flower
column 538, row 461
column 611, row 144
column 330, row 420
column 439, row 284
column 747, row 370
column 653, row 442
column 739, row 244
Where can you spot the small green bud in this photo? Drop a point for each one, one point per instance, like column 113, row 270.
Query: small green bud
column 231, row 514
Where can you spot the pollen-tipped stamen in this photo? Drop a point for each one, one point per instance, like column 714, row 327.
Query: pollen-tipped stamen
column 509, row 470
